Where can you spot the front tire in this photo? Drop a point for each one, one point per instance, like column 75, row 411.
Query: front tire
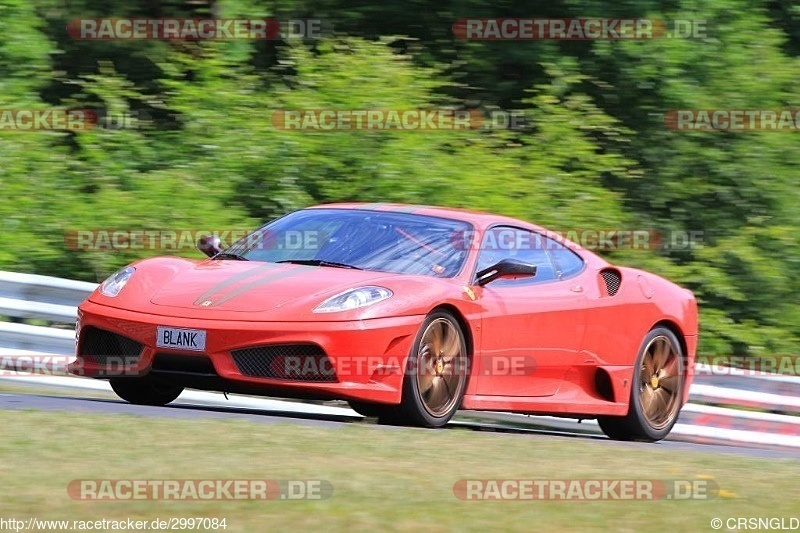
column 436, row 374
column 145, row 391
column 656, row 391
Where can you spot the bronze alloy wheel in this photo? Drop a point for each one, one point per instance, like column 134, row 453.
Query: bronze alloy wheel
column 435, row 376
column 659, row 389
column 440, row 370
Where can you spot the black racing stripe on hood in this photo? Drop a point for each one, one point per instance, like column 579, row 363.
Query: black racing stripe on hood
column 293, row 270
column 235, row 279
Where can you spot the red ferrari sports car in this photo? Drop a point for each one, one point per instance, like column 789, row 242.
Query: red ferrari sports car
column 408, row 313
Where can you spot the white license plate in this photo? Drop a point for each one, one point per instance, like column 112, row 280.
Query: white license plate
column 181, row 338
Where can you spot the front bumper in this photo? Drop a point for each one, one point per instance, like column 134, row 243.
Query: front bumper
column 367, row 357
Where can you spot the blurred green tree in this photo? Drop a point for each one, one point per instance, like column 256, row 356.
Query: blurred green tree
column 595, row 152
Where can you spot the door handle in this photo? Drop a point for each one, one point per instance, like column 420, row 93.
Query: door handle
column 576, row 288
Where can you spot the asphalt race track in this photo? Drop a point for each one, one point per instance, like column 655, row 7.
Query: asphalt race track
column 187, row 410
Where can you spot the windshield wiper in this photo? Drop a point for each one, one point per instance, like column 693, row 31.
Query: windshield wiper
column 230, row 255
column 319, row 262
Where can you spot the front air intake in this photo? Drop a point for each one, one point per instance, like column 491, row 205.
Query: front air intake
column 292, row 362
column 612, row 280
column 104, row 348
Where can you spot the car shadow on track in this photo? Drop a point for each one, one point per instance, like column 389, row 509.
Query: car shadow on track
column 189, row 410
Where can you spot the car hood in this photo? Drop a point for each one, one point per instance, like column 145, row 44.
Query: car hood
column 254, row 287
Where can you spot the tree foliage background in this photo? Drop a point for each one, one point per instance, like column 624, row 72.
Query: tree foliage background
column 596, row 154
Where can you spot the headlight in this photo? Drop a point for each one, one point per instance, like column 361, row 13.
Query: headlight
column 353, row 299
column 116, row 281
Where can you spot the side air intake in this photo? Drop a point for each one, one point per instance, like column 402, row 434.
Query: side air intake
column 612, row 280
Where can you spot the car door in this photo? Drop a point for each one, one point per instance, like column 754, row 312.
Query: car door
column 532, row 327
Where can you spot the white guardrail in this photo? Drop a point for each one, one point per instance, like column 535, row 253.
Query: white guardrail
column 720, row 408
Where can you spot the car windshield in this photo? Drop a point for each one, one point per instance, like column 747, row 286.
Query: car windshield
column 383, row 241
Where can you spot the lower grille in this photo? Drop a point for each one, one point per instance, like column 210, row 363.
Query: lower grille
column 295, row 362
column 105, row 348
column 184, row 364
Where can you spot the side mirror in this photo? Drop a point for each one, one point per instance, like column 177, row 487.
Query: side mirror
column 209, row 245
column 504, row 269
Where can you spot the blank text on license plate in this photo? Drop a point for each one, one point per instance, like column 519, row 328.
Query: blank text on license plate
column 181, row 338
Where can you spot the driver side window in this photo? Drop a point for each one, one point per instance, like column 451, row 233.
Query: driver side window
column 506, row 242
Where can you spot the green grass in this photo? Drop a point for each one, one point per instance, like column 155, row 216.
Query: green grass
column 18, row 385
column 383, row 478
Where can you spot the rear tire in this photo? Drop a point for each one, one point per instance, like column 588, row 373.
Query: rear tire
column 145, row 390
column 656, row 391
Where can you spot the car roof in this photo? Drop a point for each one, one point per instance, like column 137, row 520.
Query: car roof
column 479, row 219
